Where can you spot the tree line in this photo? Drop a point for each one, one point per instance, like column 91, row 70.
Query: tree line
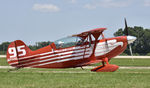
column 140, row 47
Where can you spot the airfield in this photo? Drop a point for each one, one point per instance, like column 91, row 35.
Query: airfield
column 131, row 74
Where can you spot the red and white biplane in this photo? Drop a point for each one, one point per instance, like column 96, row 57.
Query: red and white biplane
column 78, row 50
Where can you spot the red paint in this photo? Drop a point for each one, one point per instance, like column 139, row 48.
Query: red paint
column 106, row 68
column 75, row 56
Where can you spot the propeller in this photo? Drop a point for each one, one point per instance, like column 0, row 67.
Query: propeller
column 126, row 28
column 130, row 39
column 131, row 51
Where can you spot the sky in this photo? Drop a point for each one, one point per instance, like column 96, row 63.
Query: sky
column 48, row 20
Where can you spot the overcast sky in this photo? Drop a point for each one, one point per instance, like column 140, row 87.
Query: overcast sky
column 49, row 20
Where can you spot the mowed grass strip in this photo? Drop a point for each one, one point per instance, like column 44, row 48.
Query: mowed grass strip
column 129, row 62
column 3, row 62
column 119, row 62
column 46, row 78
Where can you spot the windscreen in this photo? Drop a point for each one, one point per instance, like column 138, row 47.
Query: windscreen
column 68, row 42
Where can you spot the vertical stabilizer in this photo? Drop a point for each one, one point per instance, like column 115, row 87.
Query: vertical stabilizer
column 15, row 51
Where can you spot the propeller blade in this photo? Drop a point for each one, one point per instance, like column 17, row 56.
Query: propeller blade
column 126, row 28
column 126, row 32
column 131, row 51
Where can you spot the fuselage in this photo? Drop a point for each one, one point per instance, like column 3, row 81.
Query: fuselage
column 75, row 56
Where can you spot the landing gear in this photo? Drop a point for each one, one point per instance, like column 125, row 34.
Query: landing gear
column 105, row 67
column 82, row 68
column 13, row 69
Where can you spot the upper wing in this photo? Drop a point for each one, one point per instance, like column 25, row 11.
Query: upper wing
column 93, row 31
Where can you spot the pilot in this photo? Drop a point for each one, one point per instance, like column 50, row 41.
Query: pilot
column 80, row 42
column 60, row 44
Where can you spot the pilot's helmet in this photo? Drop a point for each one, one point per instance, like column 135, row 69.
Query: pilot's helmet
column 60, row 44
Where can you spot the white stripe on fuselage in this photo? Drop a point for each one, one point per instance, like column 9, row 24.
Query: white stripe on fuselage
column 61, row 55
column 58, row 58
column 59, row 61
column 102, row 48
column 74, row 49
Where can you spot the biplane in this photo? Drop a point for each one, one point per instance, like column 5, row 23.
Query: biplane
column 78, row 50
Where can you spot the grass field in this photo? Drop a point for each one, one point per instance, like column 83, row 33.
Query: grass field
column 77, row 78
column 3, row 62
column 74, row 78
column 129, row 62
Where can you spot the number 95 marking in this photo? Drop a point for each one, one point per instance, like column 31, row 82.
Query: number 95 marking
column 13, row 52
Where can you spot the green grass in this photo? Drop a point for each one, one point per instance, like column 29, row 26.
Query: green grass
column 129, row 62
column 3, row 62
column 77, row 78
column 46, row 78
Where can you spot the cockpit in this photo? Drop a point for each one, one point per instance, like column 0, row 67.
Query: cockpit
column 68, row 42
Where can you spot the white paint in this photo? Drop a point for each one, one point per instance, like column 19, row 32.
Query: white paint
column 22, row 50
column 56, row 58
column 58, row 61
column 12, row 51
column 119, row 57
column 102, row 50
column 72, row 53
column 52, row 52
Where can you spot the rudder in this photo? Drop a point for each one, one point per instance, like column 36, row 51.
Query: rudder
column 15, row 51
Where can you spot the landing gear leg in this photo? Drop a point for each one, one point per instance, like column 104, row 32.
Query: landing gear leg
column 105, row 60
column 82, row 68
column 13, row 69
column 103, row 63
column 105, row 67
